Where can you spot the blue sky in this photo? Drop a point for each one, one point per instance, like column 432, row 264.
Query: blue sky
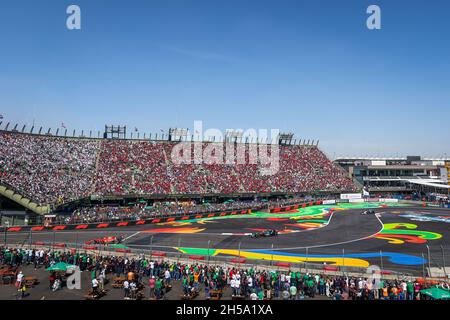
column 311, row 67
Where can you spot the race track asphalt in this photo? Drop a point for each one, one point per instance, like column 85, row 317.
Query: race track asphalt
column 394, row 237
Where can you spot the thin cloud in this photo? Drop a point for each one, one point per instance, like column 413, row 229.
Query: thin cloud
column 202, row 55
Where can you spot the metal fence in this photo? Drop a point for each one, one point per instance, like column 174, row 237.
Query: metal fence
column 435, row 259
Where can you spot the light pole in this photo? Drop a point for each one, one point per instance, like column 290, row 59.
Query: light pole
column 423, row 266
column 151, row 247
column 239, row 256
column 381, row 260
column 76, row 241
column 306, row 261
column 209, row 243
column 443, row 260
column 179, row 245
column 343, row 262
column 271, row 257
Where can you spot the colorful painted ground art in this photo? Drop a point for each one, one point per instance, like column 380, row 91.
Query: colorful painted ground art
column 304, row 219
column 399, row 233
column 176, row 230
column 297, row 220
column 353, row 260
column 426, row 218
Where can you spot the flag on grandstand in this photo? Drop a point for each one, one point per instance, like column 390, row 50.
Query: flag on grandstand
column 136, row 129
column 63, row 125
column 1, row 116
column 161, row 130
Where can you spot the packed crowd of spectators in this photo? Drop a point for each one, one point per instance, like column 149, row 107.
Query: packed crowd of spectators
column 301, row 169
column 52, row 170
column 244, row 282
column 131, row 167
column 47, row 169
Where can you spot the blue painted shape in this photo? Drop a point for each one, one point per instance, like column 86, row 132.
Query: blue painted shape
column 393, row 257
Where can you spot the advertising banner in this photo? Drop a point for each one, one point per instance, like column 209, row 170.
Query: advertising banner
column 347, row 196
column 355, row 200
column 389, row 200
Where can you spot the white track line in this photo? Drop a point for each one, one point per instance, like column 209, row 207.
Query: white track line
column 296, row 248
column 216, row 234
column 134, row 234
column 38, row 233
column 337, row 243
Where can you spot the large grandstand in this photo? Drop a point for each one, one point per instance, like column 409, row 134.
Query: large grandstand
column 53, row 170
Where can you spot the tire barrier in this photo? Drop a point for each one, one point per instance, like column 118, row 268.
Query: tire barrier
column 158, row 254
column 197, row 257
column 237, row 260
column 283, row 264
column 331, row 268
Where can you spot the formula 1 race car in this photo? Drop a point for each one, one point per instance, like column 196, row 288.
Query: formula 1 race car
column 368, row 212
column 106, row 240
column 265, row 233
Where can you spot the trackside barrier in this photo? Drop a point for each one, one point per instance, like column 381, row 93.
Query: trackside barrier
column 158, row 254
column 197, row 257
column 237, row 260
column 330, row 268
column 152, row 220
column 90, row 248
column 295, row 207
column 312, row 268
column 123, row 250
column 101, row 225
column 326, row 202
column 283, row 264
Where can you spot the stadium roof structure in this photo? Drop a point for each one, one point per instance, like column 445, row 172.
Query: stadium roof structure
column 441, row 158
column 434, row 183
column 401, row 167
column 429, row 183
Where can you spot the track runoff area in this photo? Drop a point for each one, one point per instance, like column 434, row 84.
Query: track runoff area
column 396, row 238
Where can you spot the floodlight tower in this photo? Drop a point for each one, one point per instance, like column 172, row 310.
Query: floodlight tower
column 233, row 136
column 177, row 134
column 285, row 139
column 115, row 132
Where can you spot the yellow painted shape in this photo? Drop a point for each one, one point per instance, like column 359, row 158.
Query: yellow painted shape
column 338, row 261
column 391, row 240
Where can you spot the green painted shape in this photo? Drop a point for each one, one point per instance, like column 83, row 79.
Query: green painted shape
column 197, row 251
column 118, row 246
column 423, row 234
column 395, row 228
column 312, row 220
column 307, row 211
